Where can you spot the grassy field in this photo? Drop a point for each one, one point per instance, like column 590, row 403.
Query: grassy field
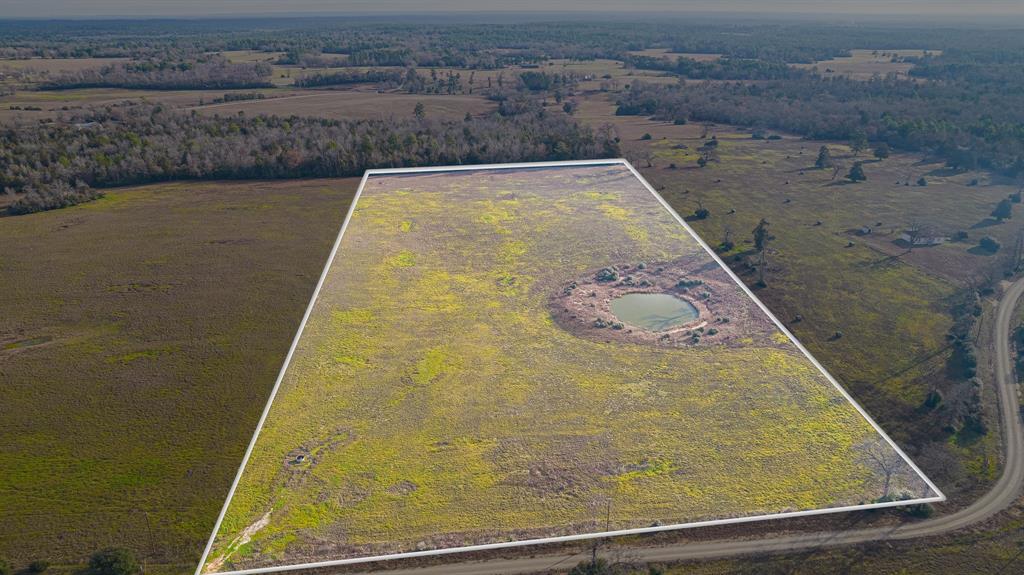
column 432, row 401
column 140, row 336
column 891, row 353
column 893, row 349
column 58, row 65
column 349, row 104
column 665, row 53
column 864, row 64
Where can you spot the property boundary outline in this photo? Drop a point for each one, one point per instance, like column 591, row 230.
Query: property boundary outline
column 939, row 497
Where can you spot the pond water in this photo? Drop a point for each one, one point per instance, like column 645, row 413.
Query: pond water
column 653, row 311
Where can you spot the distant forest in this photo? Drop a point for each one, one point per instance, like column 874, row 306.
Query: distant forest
column 209, row 73
column 56, row 165
column 973, row 117
column 963, row 102
column 376, row 43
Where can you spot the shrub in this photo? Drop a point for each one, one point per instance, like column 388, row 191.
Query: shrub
column 5, row 567
column 922, row 182
column 679, row 121
column 922, row 510
column 646, row 137
column 990, row 244
column 113, row 561
column 596, row 567
column 38, row 566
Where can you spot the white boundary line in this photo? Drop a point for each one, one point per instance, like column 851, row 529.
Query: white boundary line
column 564, row 538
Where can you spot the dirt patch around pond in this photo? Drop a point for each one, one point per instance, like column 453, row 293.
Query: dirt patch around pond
column 726, row 315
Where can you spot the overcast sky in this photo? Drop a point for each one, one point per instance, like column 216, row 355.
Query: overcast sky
column 153, row 8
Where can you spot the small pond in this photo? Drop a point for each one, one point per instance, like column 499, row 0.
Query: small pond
column 653, row 311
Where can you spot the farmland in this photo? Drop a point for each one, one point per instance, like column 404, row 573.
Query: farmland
column 140, row 336
column 432, row 402
column 881, row 317
column 865, row 64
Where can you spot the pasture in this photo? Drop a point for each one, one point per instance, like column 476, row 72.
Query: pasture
column 891, row 306
column 140, row 336
column 865, row 64
column 446, row 391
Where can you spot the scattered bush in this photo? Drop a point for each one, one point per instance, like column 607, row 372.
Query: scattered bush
column 920, row 510
column 990, row 244
column 113, row 561
column 596, row 567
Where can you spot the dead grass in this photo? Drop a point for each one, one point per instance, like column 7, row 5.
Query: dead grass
column 152, row 324
column 864, row 64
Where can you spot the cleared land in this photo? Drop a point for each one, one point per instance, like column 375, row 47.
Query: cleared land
column 131, row 327
column 864, row 64
column 892, row 352
column 664, row 52
column 339, row 104
column 432, row 401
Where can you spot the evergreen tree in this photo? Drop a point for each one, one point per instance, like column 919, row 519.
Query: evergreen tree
column 824, row 158
column 1004, row 210
column 856, row 173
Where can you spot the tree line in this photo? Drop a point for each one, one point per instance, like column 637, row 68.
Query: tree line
column 719, row 69
column 215, row 73
column 475, row 45
column 49, row 166
column 970, row 125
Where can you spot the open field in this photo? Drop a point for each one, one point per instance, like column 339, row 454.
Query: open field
column 665, row 53
column 891, row 354
column 432, row 402
column 51, row 104
column 864, row 64
column 348, row 104
column 140, row 336
column 893, row 349
column 58, row 65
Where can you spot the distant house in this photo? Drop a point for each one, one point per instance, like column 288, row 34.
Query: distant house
column 913, row 239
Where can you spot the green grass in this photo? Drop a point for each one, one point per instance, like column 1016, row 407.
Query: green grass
column 465, row 414
column 891, row 307
column 140, row 336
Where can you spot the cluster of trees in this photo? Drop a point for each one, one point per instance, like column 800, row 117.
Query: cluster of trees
column 471, row 44
column 958, row 407
column 212, row 74
column 720, row 69
column 384, row 77
column 55, row 165
column 971, row 127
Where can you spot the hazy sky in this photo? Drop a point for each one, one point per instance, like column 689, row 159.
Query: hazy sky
column 104, row 8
